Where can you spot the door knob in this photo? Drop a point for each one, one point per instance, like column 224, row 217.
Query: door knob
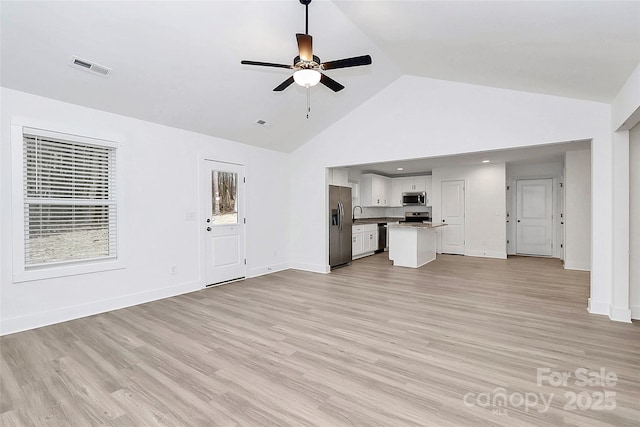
column 208, row 228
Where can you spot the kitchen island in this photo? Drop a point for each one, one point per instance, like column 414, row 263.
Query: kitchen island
column 412, row 244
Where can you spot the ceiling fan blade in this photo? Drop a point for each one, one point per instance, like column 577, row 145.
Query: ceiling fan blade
column 285, row 84
column 305, row 46
column 330, row 83
column 347, row 62
column 266, row 64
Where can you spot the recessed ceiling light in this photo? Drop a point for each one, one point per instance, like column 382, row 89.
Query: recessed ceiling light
column 486, row 161
column 399, row 169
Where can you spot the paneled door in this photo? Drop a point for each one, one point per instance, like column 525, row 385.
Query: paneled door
column 224, row 223
column 534, row 217
column 453, row 217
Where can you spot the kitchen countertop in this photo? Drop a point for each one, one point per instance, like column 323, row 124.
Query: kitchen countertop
column 360, row 221
column 416, row 225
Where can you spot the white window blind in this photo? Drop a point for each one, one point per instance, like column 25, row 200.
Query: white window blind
column 70, row 205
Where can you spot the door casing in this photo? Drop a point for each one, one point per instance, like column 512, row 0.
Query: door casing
column 534, row 217
column 453, row 215
column 232, row 266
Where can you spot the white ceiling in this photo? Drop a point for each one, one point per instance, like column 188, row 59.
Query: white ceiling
column 577, row 49
column 549, row 153
column 178, row 62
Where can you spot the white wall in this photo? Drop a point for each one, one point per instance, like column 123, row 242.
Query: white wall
column 577, row 210
column 485, row 194
column 625, row 111
column 428, row 118
column 417, row 117
column 161, row 186
column 625, row 115
column 634, row 216
column 534, row 171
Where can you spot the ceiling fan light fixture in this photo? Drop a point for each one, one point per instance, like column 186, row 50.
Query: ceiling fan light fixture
column 307, row 77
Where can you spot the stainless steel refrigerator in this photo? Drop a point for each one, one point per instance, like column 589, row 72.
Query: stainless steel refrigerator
column 339, row 225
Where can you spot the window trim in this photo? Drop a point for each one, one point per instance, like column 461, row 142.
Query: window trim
column 70, row 268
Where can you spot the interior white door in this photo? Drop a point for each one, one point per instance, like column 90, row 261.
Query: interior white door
column 453, row 217
column 534, row 217
column 224, row 226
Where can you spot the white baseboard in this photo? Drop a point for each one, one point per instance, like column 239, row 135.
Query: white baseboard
column 635, row 312
column 37, row 320
column 363, row 255
column 313, row 268
column 261, row 271
column 572, row 265
column 598, row 307
column 487, row 254
column 620, row 314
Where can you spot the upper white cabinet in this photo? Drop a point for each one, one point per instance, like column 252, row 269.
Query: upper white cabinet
column 414, row 183
column 408, row 185
column 375, row 190
column 339, row 176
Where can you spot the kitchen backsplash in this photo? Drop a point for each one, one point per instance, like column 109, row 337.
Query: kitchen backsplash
column 373, row 212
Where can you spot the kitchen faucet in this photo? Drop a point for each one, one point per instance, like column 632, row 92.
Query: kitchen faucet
column 353, row 215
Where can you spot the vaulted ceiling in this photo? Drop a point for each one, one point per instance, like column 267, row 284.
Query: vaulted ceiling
column 178, row 62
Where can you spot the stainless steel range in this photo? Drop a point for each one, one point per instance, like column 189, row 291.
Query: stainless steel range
column 417, row 217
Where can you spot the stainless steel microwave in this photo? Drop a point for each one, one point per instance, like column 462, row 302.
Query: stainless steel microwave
column 417, row 198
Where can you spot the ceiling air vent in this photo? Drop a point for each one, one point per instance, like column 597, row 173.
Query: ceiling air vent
column 92, row 67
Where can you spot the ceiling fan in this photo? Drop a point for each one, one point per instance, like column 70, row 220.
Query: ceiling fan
column 308, row 67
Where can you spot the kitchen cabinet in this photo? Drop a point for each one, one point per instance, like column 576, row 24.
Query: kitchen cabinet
column 364, row 240
column 412, row 246
column 370, row 241
column 375, row 190
column 356, row 244
column 414, row 183
column 408, row 185
column 339, row 176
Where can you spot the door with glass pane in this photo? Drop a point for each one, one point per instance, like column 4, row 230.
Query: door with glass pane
column 223, row 222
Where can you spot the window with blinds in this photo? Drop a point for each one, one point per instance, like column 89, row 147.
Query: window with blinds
column 70, row 205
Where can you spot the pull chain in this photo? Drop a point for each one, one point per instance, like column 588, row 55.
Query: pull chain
column 308, row 101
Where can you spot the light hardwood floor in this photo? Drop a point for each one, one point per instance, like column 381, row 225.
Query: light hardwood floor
column 367, row 345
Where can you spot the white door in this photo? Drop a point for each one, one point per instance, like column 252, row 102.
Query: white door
column 534, row 217
column 223, row 222
column 357, row 244
column 453, row 217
